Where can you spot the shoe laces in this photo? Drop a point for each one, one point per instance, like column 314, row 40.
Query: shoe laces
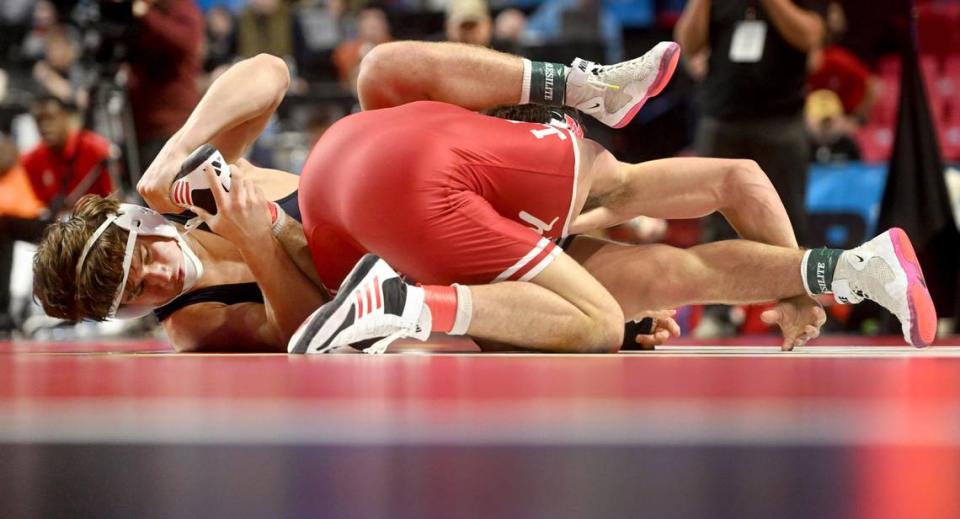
column 593, row 75
column 593, row 79
column 381, row 346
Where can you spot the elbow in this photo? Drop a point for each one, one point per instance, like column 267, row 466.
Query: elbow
column 378, row 75
column 186, row 345
column 381, row 58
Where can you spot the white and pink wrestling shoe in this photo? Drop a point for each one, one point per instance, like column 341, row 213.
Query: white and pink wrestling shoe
column 373, row 302
column 886, row 271
column 613, row 94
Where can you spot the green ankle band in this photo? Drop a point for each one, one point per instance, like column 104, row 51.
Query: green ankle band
column 820, row 265
column 548, row 83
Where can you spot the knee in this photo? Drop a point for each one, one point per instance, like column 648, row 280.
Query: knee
column 378, row 60
column 375, row 72
column 604, row 333
column 381, row 69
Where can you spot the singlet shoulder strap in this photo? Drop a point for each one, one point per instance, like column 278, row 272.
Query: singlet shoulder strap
column 227, row 294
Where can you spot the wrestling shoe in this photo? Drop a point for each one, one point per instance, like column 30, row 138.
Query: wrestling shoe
column 373, row 302
column 885, row 270
column 613, row 94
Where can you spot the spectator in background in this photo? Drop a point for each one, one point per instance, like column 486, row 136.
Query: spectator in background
column 19, row 211
column 59, row 74
column 831, row 132
column 468, row 21
column 753, row 93
column 69, row 162
column 266, row 26
column 837, row 69
column 318, row 27
column 165, row 59
column 372, row 30
column 34, row 46
column 558, row 20
column 16, row 195
column 15, row 12
column 509, row 31
column 221, row 39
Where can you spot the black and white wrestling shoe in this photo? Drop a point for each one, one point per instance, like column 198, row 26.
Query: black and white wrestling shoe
column 373, row 302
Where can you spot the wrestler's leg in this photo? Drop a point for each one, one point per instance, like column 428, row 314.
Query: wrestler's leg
column 563, row 309
column 653, row 277
column 478, row 78
column 473, row 77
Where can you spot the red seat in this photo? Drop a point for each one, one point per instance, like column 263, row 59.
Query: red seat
column 889, row 66
column 884, row 110
column 876, row 142
column 937, row 29
column 950, row 141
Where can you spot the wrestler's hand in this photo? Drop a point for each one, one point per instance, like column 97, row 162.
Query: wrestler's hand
column 243, row 214
column 799, row 318
column 154, row 185
column 664, row 327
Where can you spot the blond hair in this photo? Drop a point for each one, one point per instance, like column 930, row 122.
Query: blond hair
column 55, row 282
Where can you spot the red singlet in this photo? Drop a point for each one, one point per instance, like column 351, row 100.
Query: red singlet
column 445, row 195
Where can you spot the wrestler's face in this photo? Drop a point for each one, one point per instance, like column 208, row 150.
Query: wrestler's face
column 157, row 272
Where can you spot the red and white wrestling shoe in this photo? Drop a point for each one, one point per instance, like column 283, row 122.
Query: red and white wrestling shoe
column 886, row 271
column 613, row 94
column 373, row 302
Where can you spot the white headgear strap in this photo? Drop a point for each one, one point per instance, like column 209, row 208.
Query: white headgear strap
column 139, row 220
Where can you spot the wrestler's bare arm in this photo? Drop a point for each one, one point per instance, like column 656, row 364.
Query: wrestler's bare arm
column 289, row 294
column 208, row 327
column 231, row 115
column 254, row 327
column 294, row 242
column 687, row 188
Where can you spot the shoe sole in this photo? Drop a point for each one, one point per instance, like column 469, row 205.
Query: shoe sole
column 325, row 313
column 668, row 65
column 923, row 315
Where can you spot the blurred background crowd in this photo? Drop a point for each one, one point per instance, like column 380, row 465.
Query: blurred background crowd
column 816, row 92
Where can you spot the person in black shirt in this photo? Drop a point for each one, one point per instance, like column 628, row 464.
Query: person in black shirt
column 752, row 97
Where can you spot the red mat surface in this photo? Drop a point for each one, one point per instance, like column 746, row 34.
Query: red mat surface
column 866, row 431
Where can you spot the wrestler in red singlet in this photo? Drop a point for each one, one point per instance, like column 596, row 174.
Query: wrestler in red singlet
column 442, row 193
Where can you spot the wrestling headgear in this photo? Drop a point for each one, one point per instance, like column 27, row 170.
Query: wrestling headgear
column 141, row 221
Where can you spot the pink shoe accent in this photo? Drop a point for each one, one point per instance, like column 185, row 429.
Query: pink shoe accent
column 923, row 315
column 668, row 65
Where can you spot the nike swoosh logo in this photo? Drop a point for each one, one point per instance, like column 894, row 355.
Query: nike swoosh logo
column 594, row 107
